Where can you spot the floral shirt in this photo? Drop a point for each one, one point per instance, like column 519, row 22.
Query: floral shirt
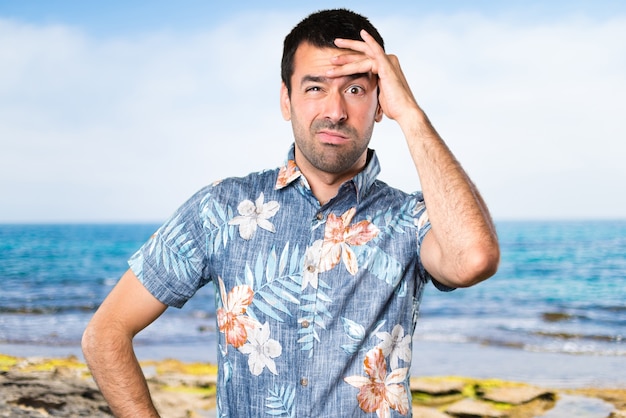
column 316, row 305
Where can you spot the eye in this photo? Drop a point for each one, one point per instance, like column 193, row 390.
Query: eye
column 313, row 89
column 355, row 90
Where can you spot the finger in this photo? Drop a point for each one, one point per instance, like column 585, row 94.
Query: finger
column 368, row 45
column 347, row 58
column 350, row 67
column 371, row 42
column 359, row 46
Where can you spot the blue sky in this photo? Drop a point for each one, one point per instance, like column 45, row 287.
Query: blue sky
column 118, row 111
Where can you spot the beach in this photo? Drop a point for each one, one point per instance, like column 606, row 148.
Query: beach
column 182, row 381
column 63, row 387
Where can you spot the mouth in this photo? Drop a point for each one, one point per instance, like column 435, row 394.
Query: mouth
column 332, row 137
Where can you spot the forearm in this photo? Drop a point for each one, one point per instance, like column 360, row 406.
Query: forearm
column 115, row 369
column 463, row 230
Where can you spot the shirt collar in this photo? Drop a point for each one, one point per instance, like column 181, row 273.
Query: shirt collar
column 289, row 172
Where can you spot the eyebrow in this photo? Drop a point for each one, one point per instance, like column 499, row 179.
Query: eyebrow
column 323, row 79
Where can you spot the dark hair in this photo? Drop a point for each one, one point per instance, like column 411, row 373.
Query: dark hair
column 320, row 29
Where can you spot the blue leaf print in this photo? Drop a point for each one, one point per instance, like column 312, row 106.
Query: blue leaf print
column 249, row 276
column 320, row 322
column 277, row 304
column 352, row 329
column 270, row 269
column 389, row 225
column 316, row 312
column 379, row 263
column 322, row 283
column 321, row 307
column 277, row 288
column 283, row 294
column 308, row 308
column 136, row 263
column 220, row 212
column 291, row 285
column 356, row 332
column 259, row 268
column 266, row 309
column 350, row 349
column 284, row 259
column 176, row 251
column 307, row 338
column 280, row 402
column 295, row 262
column 215, row 220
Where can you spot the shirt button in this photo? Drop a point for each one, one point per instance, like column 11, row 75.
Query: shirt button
column 319, row 216
column 304, row 381
column 311, row 268
column 305, row 324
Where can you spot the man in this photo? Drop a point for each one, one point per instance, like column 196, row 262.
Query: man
column 318, row 267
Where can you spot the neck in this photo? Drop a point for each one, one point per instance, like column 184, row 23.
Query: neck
column 324, row 185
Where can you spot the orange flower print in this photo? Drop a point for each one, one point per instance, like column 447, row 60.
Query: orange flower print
column 380, row 392
column 231, row 318
column 287, row 174
column 339, row 235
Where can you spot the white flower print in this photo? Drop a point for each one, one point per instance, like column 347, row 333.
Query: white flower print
column 311, row 264
column 396, row 345
column 253, row 215
column 261, row 349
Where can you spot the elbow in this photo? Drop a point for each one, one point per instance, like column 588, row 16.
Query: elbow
column 97, row 341
column 479, row 264
column 89, row 342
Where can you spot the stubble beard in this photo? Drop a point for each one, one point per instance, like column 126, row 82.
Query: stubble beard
column 331, row 158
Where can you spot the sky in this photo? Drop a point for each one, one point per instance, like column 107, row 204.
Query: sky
column 118, row 111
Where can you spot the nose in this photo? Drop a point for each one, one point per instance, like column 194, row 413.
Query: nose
column 335, row 107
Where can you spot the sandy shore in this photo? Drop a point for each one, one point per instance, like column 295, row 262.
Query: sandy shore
column 62, row 387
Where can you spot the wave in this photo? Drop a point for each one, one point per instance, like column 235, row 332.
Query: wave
column 581, row 337
column 47, row 310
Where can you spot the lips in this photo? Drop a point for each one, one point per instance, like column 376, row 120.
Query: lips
column 332, row 137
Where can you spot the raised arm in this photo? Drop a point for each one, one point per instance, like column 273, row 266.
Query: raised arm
column 108, row 347
column 461, row 248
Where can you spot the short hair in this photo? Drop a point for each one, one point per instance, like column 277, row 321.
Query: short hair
column 320, row 29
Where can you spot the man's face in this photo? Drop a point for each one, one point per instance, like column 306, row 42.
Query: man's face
column 332, row 118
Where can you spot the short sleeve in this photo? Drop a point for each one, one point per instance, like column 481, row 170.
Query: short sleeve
column 172, row 263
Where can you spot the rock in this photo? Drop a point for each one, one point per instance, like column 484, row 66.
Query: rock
column 424, row 412
column 39, row 395
column 436, row 387
column 517, row 395
column 470, row 408
column 618, row 414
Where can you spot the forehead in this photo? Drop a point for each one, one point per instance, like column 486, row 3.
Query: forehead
column 310, row 59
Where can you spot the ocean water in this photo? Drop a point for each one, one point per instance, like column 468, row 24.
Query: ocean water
column 560, row 289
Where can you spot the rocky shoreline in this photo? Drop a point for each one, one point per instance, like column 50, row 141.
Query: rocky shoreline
column 62, row 387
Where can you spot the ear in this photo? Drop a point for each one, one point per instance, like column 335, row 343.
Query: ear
column 379, row 113
column 285, row 102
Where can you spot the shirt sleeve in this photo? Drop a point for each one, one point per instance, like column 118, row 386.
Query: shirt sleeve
column 172, row 263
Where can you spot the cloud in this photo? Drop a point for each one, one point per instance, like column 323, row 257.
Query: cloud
column 126, row 128
column 532, row 111
column 132, row 125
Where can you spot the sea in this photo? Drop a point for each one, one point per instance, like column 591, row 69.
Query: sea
column 554, row 314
